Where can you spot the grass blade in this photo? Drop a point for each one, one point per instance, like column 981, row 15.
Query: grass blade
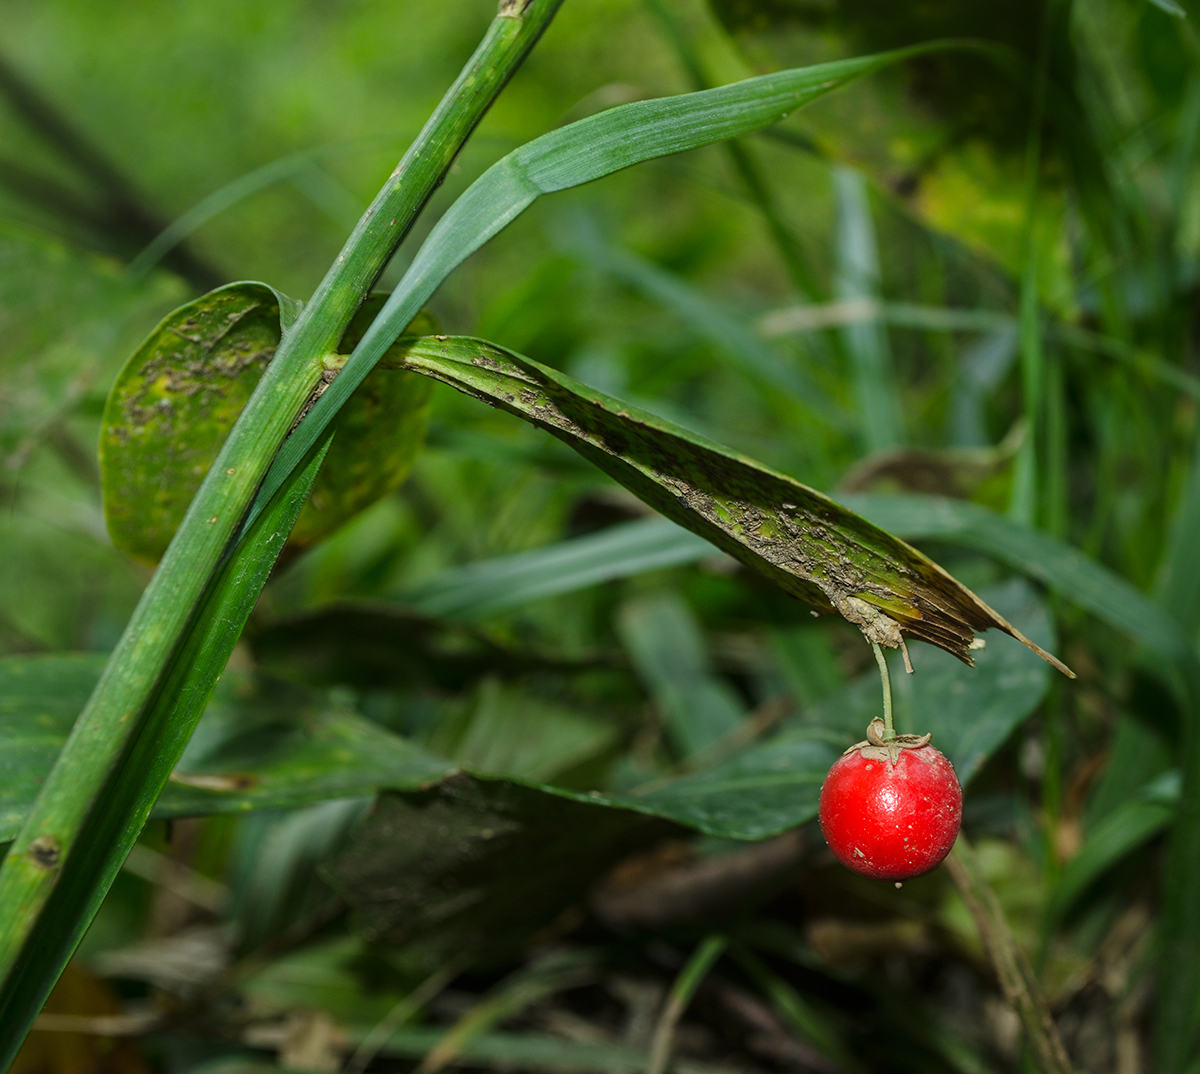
column 1125, row 829
column 569, row 157
column 1016, row 977
column 74, row 798
column 729, row 336
column 111, row 827
column 690, row 978
column 666, row 646
column 494, row 585
column 866, row 343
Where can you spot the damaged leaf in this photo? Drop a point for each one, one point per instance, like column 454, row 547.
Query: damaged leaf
column 810, row 546
column 438, row 865
column 178, row 396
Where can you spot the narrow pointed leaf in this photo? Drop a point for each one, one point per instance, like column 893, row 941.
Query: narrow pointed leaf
column 571, row 156
column 802, row 540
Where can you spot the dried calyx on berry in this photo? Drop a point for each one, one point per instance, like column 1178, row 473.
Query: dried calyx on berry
column 878, row 746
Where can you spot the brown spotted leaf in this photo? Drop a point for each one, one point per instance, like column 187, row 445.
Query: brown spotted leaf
column 806, row 543
column 177, row 397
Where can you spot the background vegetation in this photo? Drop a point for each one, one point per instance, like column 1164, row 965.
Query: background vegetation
column 949, row 280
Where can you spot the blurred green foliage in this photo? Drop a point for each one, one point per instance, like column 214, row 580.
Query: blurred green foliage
column 669, row 677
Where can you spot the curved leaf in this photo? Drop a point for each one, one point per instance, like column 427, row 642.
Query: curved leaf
column 810, row 546
column 179, row 394
column 568, row 157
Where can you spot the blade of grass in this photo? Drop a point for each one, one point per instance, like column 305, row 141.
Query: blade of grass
column 881, row 422
column 742, row 158
column 107, row 834
column 74, row 794
column 1178, row 586
column 726, row 333
column 690, row 978
column 568, row 157
column 385, row 1028
column 236, row 190
column 666, row 647
column 509, row 581
column 794, row 1007
column 553, row 973
column 1126, row 828
column 522, row 1051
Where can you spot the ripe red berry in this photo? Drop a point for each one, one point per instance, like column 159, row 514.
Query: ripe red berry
column 891, row 813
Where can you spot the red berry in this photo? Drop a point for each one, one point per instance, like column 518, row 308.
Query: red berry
column 891, row 821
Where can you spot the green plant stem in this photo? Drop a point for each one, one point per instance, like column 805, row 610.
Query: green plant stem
column 889, row 731
column 684, row 987
column 1013, row 971
column 143, row 770
column 115, row 712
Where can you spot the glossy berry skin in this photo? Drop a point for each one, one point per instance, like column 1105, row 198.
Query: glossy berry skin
column 891, row 822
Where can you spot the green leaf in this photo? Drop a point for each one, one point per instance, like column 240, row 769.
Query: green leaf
column 866, row 342
column 173, row 404
column 1122, row 831
column 510, row 732
column 269, row 745
column 40, row 696
column 179, row 394
column 438, row 865
column 371, row 645
column 666, row 647
column 260, row 745
column 571, row 156
column 493, row 585
column 807, row 544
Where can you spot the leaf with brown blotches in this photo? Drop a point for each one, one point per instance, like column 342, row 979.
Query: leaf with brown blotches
column 810, row 546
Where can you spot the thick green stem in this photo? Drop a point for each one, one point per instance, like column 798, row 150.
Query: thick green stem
column 116, row 710
column 889, row 731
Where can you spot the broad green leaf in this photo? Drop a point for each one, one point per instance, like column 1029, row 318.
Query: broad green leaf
column 666, row 646
column 507, row 731
column 372, row 645
column 279, row 747
column 179, row 394
column 442, row 865
column 807, row 544
column 266, row 746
